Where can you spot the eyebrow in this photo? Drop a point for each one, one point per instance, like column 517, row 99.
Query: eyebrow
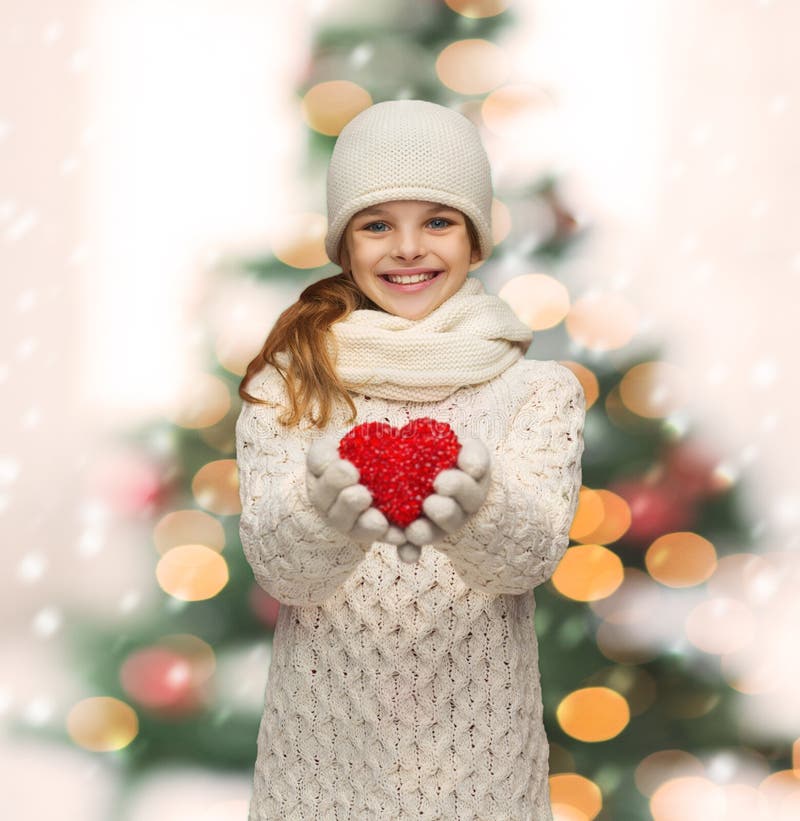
column 434, row 207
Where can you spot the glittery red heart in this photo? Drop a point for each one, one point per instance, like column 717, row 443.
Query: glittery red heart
column 398, row 465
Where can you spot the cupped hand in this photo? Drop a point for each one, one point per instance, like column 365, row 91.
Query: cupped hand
column 460, row 492
column 344, row 503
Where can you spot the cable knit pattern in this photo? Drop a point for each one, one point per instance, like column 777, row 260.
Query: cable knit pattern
column 402, row 691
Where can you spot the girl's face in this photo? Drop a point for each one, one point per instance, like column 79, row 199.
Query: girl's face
column 407, row 236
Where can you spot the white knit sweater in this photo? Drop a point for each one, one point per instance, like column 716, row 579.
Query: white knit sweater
column 402, row 691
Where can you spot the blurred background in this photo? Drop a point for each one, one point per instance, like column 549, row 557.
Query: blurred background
column 162, row 170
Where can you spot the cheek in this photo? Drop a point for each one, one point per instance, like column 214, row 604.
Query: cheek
column 460, row 243
column 461, row 250
column 367, row 254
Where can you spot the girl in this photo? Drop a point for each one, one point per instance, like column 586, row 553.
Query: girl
column 404, row 681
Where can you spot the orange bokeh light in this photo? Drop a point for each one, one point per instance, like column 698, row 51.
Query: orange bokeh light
column 653, row 390
column 472, row 66
column 539, row 300
column 192, row 572
column 575, row 791
column 602, row 322
column 188, row 527
column 298, row 240
column 478, row 8
column 602, row 517
column 588, row 572
column 102, row 724
column 216, row 487
column 593, row 714
column 328, row 107
column 681, row 559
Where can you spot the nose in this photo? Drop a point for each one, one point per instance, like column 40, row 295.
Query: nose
column 409, row 244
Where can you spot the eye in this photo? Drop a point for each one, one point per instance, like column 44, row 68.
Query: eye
column 442, row 219
column 369, row 225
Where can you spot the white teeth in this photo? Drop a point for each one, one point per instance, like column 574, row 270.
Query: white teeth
column 408, row 280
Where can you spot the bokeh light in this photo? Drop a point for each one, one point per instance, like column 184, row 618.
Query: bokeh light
column 789, row 808
column 501, row 221
column 593, row 714
column 764, row 666
column 156, row 677
column 688, row 798
column 697, row 798
column 602, row 517
column 632, row 630
column 539, row 300
column 169, row 677
column 478, row 8
column 327, row 107
column 654, row 390
column 744, row 803
column 298, row 240
column 566, row 812
column 634, row 601
column 588, row 572
column 781, row 789
column 188, row 527
column 200, row 655
column 102, row 724
column 720, row 625
column 216, row 487
column 635, row 684
column 126, row 482
column 588, row 515
column 192, row 572
column 520, row 112
column 472, row 66
column 664, row 765
column 239, row 317
column 591, row 388
column 751, row 578
column 201, row 401
column 602, row 322
column 681, row 559
column 577, row 792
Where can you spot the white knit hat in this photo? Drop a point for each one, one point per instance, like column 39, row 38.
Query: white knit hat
column 409, row 150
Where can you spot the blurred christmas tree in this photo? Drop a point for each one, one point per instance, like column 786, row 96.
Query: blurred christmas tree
column 637, row 705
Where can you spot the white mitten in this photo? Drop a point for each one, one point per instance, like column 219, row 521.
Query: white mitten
column 343, row 502
column 459, row 493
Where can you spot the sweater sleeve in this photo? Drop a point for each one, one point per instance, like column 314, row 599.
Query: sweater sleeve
column 294, row 555
column 515, row 540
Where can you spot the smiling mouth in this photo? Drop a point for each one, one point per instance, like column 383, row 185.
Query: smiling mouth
column 426, row 275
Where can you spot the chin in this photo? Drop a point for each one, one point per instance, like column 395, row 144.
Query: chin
column 421, row 314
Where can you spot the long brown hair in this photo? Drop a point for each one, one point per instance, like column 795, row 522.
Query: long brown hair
column 301, row 331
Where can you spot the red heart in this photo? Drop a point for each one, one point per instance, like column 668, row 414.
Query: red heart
column 398, row 465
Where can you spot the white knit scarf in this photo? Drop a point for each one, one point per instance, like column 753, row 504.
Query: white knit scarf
column 470, row 338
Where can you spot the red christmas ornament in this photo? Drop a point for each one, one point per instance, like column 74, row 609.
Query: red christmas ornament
column 160, row 679
column 398, row 465
column 691, row 469
column 131, row 484
column 655, row 509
